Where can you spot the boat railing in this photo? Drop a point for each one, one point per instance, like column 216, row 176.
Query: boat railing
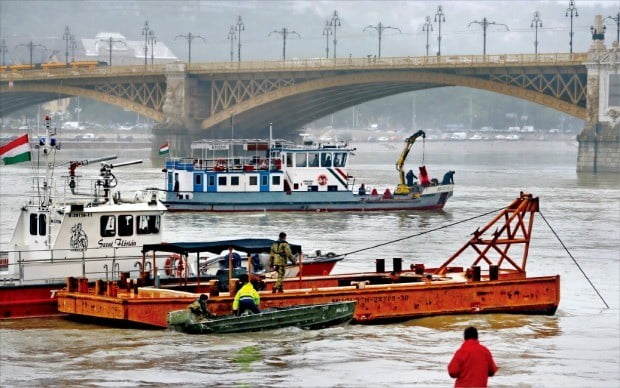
column 239, row 164
column 110, row 269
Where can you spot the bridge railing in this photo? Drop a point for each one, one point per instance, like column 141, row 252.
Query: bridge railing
column 370, row 62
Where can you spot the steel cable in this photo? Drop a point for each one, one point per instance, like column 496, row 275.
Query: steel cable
column 575, row 261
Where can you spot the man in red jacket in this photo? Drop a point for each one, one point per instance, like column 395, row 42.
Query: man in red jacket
column 472, row 363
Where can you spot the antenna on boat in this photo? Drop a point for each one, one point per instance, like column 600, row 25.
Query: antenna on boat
column 270, row 144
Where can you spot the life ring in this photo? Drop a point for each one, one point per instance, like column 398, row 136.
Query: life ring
column 322, row 180
column 174, row 265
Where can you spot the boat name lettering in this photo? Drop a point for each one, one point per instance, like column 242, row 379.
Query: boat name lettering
column 216, row 147
column 117, row 243
column 53, row 293
column 80, row 214
column 308, row 182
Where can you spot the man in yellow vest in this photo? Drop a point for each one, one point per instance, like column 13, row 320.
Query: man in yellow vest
column 280, row 252
column 246, row 298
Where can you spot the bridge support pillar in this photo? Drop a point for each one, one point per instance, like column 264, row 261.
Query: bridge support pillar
column 179, row 141
column 599, row 141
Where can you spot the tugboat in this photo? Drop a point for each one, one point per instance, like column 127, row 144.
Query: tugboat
column 277, row 175
column 85, row 228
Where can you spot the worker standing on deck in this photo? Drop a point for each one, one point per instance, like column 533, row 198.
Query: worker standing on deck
column 472, row 363
column 199, row 307
column 448, row 178
column 410, row 177
column 280, row 252
column 246, row 298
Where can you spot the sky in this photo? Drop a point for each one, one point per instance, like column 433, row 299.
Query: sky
column 27, row 20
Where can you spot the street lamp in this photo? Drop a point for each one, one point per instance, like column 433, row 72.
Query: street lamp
column 146, row 32
column 571, row 11
column 110, row 44
column 240, row 27
column 284, row 32
column 3, row 50
column 31, row 47
column 536, row 22
column 327, row 30
column 189, row 37
column 152, row 42
column 485, row 23
column 232, row 35
column 428, row 27
column 334, row 22
column 617, row 20
column 439, row 17
column 379, row 28
column 67, row 38
column 73, row 46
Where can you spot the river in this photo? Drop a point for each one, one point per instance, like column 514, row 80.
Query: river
column 578, row 346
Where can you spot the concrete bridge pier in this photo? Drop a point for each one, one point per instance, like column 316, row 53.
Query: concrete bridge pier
column 599, row 141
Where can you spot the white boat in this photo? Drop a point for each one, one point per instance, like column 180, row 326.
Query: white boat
column 84, row 228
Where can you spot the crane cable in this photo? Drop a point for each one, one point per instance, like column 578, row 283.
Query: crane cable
column 575, row 261
column 422, row 233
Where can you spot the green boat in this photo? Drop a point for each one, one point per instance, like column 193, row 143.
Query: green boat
column 314, row 316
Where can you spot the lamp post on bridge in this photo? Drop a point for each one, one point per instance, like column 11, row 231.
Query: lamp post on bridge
column 73, row 46
column 152, row 42
column 3, row 51
column 190, row 37
column 536, row 22
column 617, row 20
column 334, row 22
column 146, row 32
column 110, row 44
column 284, row 32
column 31, row 47
column 379, row 28
column 439, row 17
column 485, row 24
column 232, row 35
column 327, row 30
column 571, row 11
column 67, row 38
column 240, row 27
column 428, row 27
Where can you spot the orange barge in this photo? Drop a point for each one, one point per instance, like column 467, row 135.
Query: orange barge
column 416, row 291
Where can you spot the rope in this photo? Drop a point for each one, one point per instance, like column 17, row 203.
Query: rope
column 575, row 261
column 422, row 233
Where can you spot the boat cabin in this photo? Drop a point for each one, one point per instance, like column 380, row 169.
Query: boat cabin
column 259, row 166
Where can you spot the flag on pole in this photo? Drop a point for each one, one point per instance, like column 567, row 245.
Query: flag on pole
column 16, row 151
column 164, row 149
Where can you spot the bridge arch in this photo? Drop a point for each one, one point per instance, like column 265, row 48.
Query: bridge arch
column 351, row 89
column 69, row 91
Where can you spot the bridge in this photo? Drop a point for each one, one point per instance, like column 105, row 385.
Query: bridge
column 190, row 99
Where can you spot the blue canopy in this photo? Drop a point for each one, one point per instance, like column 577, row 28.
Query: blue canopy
column 248, row 245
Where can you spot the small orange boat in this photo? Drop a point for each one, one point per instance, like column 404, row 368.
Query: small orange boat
column 399, row 294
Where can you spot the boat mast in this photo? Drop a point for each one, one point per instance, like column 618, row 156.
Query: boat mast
column 49, row 149
column 270, row 146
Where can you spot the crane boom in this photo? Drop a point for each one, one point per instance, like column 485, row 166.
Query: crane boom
column 402, row 188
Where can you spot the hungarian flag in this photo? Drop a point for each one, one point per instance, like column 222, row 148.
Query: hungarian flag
column 164, row 149
column 16, row 151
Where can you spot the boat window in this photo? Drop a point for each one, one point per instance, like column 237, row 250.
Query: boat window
column 289, row 159
column 275, row 180
column 221, row 180
column 42, row 225
column 314, row 158
column 211, row 180
column 234, row 181
column 198, row 179
column 107, row 226
column 340, row 159
column 313, row 188
column 253, row 180
column 300, row 159
column 332, row 188
column 125, row 225
column 34, row 219
column 326, row 159
column 148, row 224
